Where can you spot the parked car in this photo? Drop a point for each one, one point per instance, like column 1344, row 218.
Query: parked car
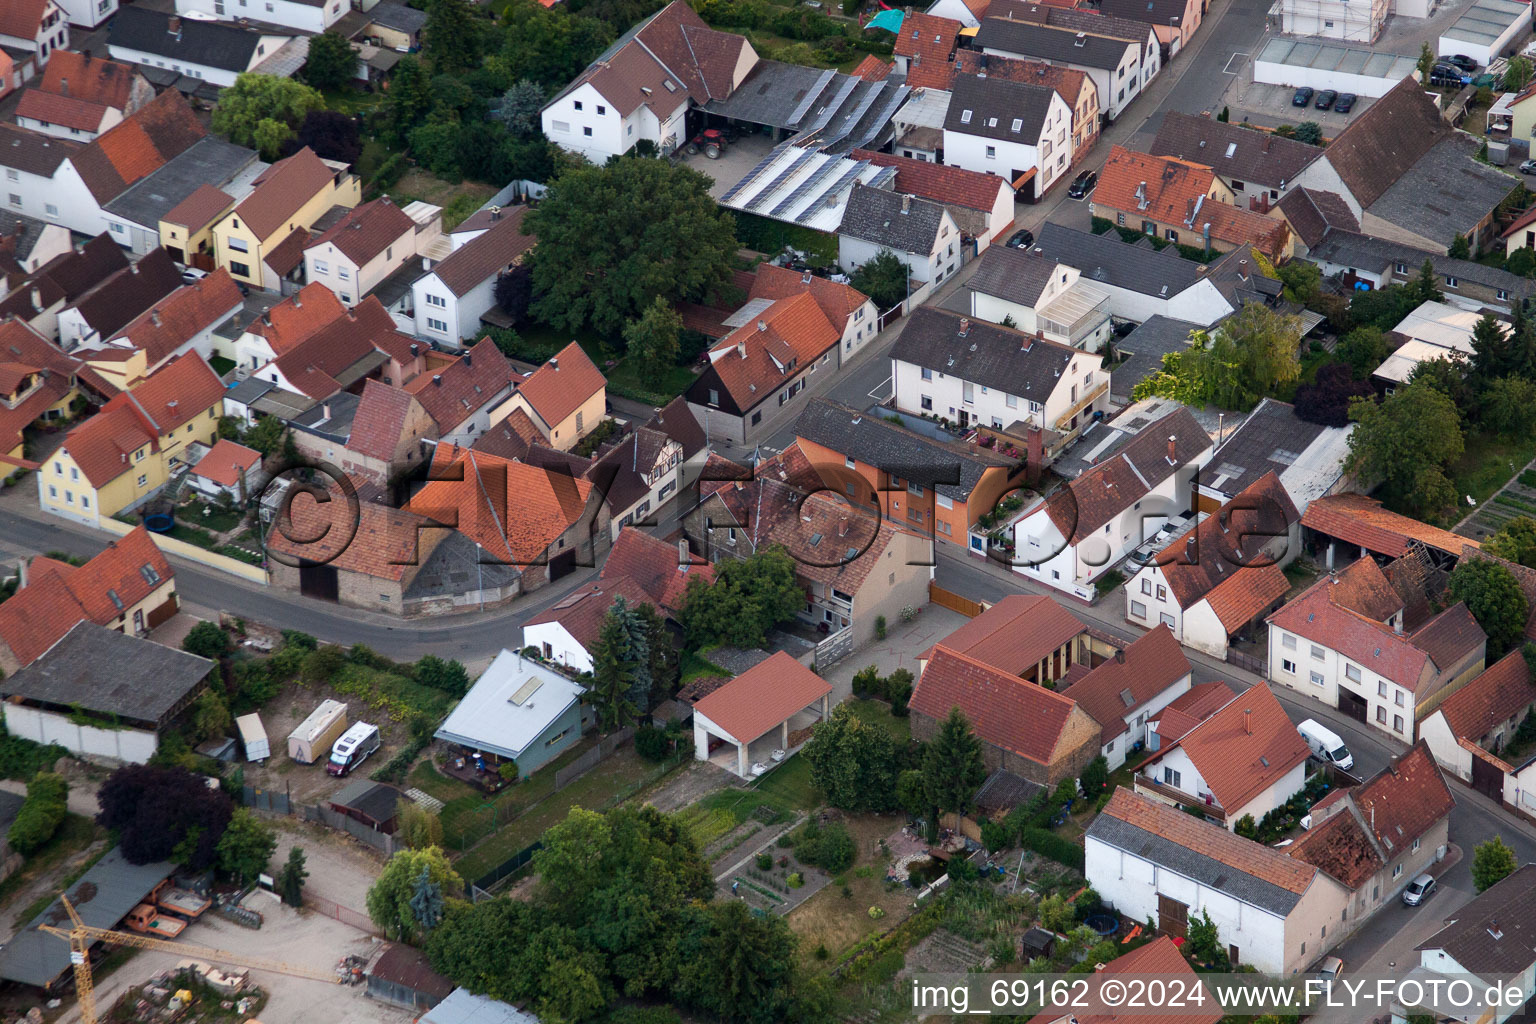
column 1461, row 61
column 1442, row 75
column 1528, row 167
column 191, row 275
column 1331, row 968
column 1082, row 185
column 1021, row 239
column 1303, row 96
column 1345, row 103
column 1419, row 890
column 1325, row 99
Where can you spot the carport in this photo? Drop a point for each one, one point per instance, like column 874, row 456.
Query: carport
column 760, row 706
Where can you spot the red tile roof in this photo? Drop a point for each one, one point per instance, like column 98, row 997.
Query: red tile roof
column 482, row 257
column 205, row 205
column 13, row 422
column 953, row 186
column 461, row 389
column 297, row 317
column 1360, row 520
column 57, row 596
column 69, row 111
column 928, row 41
column 1004, row 710
column 511, row 438
column 872, row 69
column 1211, row 840
column 1505, row 690
column 1246, row 595
column 1185, row 712
column 379, row 422
column 1069, row 82
column 163, row 128
column 386, row 544
column 1225, row 548
column 1160, row 957
column 22, row 18
column 226, row 462
column 562, row 385
column 281, row 190
column 837, row 301
column 661, row 570
column 181, row 315
column 583, row 610
column 358, row 334
column 1243, row 749
column 90, row 78
column 514, row 511
column 768, row 693
column 183, row 388
column 756, row 358
column 1014, row 634
column 103, row 445
column 1138, row 674
column 367, row 230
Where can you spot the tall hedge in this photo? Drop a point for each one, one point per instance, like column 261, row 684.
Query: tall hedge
column 41, row 813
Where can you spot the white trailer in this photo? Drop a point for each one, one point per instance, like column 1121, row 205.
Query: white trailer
column 313, row 738
column 253, row 736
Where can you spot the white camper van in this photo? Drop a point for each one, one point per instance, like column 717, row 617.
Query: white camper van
column 1326, row 744
column 353, row 748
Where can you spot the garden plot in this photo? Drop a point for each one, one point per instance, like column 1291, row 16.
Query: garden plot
column 779, row 887
column 1518, row 498
column 944, row 952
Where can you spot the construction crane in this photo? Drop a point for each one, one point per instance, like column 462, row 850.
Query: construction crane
column 80, row 936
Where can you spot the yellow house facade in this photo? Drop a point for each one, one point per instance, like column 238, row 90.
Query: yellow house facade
column 289, row 196
column 28, row 394
column 566, row 398
column 186, row 231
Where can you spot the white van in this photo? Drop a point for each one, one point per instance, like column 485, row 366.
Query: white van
column 353, row 748
column 1326, row 744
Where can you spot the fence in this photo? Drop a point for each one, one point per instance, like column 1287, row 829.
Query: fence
column 834, row 648
column 266, row 800
column 380, row 841
column 511, row 866
column 592, row 758
column 1248, row 661
column 954, row 602
column 346, row 915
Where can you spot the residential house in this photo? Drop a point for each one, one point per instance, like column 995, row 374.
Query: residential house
column 981, row 204
column 360, row 343
column 1121, row 61
column 261, row 241
column 641, row 568
column 1141, row 282
column 1315, row 219
column 1183, row 713
column 844, row 305
column 38, row 299
column 920, row 233
column 228, row 471
column 385, row 434
column 1434, row 330
column 26, row 246
column 1487, row 938
column 1032, row 637
column 1345, row 526
column 641, row 87
column 1338, row 19
column 38, row 27
column 565, row 398
column 31, row 161
column 395, row 25
column 1040, row 297
column 459, row 397
column 968, row 372
column 181, row 322
column 762, row 366
column 1308, row 457
column 967, row 12
column 1474, row 734
column 518, row 711
column 186, row 230
column 925, row 49
column 1160, row 957
column 137, row 216
column 209, row 51
column 1346, row 642
column 1076, row 87
column 1026, row 729
column 1152, row 861
column 129, row 587
column 38, row 384
column 1124, row 692
column 65, row 697
column 637, row 475
column 945, row 486
column 122, row 456
column 677, row 421
column 1182, row 202
column 1257, row 168
column 1020, row 131
column 81, row 96
column 111, row 303
column 1243, row 761
column 452, row 297
column 1174, row 21
column 1087, row 527
column 1409, row 176
column 362, row 249
column 1224, row 576
column 306, row 17
column 285, row 325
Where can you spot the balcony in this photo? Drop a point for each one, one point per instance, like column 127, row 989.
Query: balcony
column 1063, row 422
column 1074, row 315
column 1146, row 784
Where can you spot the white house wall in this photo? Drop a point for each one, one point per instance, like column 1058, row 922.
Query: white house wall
column 1450, row 755
column 1330, row 668
column 562, row 646
column 132, row 746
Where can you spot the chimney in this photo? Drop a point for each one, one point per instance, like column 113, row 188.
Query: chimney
column 1172, row 453
column 154, row 317
column 906, row 204
column 806, row 279
column 325, row 412
column 37, row 299
column 762, row 325
column 1119, row 655
column 469, row 358
column 173, row 26
column 437, row 380
column 965, row 325
column 554, row 363
column 415, row 349
column 1242, row 270
column 64, row 86
column 495, row 213
column 842, row 527
column 133, row 268
column 1248, row 721
column 683, row 561
column 298, row 303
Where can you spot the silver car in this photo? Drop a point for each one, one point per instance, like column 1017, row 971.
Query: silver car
column 1419, row 890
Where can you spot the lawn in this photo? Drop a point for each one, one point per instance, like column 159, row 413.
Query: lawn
column 876, row 712
column 836, row 921
column 221, row 365
column 787, row 790
column 428, row 187
column 217, row 519
column 1487, row 465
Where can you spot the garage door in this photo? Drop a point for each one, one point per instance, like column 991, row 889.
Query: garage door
column 1172, row 917
column 319, row 581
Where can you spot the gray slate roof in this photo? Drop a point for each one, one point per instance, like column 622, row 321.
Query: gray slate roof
column 398, row 16
column 1144, row 349
column 1108, row 260
column 1232, row 150
column 199, row 43
column 376, row 800
column 1208, row 871
column 208, row 161
column 1447, row 191
column 1057, row 45
column 875, row 215
column 1377, row 254
column 953, row 469
column 987, row 354
column 1508, row 909
column 1269, row 440
column 988, row 107
column 103, row 671
column 1016, row 275
column 103, row 896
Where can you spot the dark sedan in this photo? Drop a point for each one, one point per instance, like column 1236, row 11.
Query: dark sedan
column 1303, row 96
column 1082, row 185
column 1345, row 103
column 1021, row 239
column 1325, row 99
column 1461, row 61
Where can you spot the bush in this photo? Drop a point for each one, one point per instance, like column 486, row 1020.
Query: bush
column 41, row 813
column 898, row 690
column 1049, row 844
column 880, row 627
column 867, row 682
column 994, row 836
column 652, row 743
column 207, row 640
column 764, row 861
column 828, row 847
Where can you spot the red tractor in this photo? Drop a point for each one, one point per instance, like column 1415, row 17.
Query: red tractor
column 711, row 142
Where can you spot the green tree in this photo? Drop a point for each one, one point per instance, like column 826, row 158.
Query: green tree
column 408, row 100
column 613, row 239
column 210, row 717
column 1515, row 541
column 1517, row 73
column 748, row 597
column 1364, row 349
column 952, row 765
column 1509, row 406
column 911, row 794
column 1310, row 132
column 884, row 279
column 621, row 657
column 266, row 436
column 451, row 37
column 520, row 108
column 1426, row 63
column 331, row 63
column 1205, row 942
column 1303, row 280
column 41, row 813
column 1407, row 441
column 1460, row 248
column 651, row 340
column 255, row 98
column 739, row 966
column 207, row 640
column 418, row 827
column 290, row 880
column 547, row 46
column 661, row 650
column 1426, row 286
column 389, row 898
column 427, row 905
column 1521, row 262
column 1492, row 861
column 1493, row 596
column 1095, row 777
column 1493, row 350
column 246, row 846
column 1248, row 356
column 445, row 674
column 853, row 763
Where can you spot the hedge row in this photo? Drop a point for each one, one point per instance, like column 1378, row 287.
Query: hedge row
column 1049, row 844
